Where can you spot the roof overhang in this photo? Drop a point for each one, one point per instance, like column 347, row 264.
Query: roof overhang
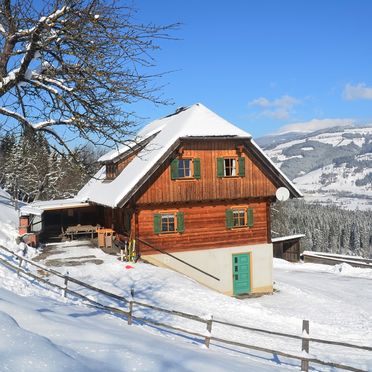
column 287, row 238
column 38, row 208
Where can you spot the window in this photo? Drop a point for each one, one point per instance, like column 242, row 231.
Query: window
column 185, row 168
column 239, row 217
column 169, row 222
column 231, row 167
column 111, row 170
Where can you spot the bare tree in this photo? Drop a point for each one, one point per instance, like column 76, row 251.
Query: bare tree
column 70, row 69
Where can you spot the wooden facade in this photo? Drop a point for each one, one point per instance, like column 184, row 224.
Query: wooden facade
column 202, row 200
column 204, row 227
column 160, row 188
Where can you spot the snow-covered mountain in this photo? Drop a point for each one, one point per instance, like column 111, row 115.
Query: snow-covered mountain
column 332, row 165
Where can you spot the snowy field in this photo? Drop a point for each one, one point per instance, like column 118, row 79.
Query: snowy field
column 41, row 331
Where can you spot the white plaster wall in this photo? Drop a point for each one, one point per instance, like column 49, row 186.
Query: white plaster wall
column 218, row 262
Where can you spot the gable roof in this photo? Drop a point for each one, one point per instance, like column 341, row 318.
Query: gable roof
column 193, row 122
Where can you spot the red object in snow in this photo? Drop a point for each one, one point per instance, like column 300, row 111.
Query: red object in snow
column 129, row 267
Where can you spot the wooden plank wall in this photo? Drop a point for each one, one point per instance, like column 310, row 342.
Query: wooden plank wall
column 161, row 189
column 205, row 227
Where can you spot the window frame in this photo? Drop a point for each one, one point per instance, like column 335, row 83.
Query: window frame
column 248, row 217
column 234, row 159
column 168, row 213
column 239, row 167
column 179, row 222
column 195, row 169
column 245, row 217
column 111, row 171
column 191, row 169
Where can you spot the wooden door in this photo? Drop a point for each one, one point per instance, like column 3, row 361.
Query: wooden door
column 241, row 273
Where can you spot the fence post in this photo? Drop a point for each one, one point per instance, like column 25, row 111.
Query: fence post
column 130, row 314
column 65, row 287
column 19, row 265
column 209, row 331
column 305, row 345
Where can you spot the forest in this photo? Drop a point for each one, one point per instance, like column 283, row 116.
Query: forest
column 326, row 228
column 30, row 169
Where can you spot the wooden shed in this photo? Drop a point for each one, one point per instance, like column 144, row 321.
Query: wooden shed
column 288, row 247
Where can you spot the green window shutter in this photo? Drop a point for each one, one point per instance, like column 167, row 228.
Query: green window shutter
column 174, row 169
column 250, row 217
column 241, row 166
column 197, row 168
column 220, row 172
column 157, row 223
column 180, row 222
column 229, row 218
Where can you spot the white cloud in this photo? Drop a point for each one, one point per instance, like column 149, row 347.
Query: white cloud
column 358, row 91
column 315, row 124
column 279, row 108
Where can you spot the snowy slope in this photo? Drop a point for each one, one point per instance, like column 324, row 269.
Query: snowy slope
column 40, row 331
column 43, row 332
column 8, row 219
column 331, row 165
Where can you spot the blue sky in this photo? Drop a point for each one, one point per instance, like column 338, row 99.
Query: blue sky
column 264, row 65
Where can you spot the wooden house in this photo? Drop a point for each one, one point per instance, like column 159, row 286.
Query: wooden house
column 194, row 191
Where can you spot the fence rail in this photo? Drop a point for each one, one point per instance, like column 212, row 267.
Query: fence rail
column 207, row 336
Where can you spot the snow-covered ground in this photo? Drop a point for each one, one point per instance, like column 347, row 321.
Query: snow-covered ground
column 8, row 220
column 43, row 332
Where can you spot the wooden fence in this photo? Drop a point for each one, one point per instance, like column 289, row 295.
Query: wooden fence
column 207, row 336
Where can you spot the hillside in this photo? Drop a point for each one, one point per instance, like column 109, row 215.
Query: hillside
column 332, row 165
column 45, row 332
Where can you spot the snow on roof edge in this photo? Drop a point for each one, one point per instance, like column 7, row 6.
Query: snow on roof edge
column 289, row 237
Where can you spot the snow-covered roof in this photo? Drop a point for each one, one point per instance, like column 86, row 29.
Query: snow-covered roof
column 194, row 121
column 285, row 238
column 38, row 207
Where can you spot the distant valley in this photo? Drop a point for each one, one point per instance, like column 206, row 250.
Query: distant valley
column 330, row 166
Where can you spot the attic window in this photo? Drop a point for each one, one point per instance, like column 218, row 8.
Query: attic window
column 231, row 167
column 183, row 168
column 111, row 171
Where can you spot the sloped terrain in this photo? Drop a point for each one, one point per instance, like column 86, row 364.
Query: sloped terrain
column 330, row 165
column 42, row 331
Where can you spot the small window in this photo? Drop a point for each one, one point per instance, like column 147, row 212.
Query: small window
column 229, row 167
column 168, row 223
column 111, row 171
column 184, row 168
column 239, row 216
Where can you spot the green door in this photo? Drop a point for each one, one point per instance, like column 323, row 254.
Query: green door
column 241, row 273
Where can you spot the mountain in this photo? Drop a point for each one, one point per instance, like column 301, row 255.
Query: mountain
column 330, row 166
